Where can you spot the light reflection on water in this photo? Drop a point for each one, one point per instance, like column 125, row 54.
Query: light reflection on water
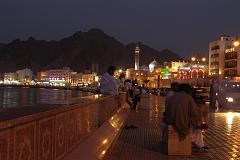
column 18, row 97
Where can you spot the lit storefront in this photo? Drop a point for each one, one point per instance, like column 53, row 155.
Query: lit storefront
column 10, row 78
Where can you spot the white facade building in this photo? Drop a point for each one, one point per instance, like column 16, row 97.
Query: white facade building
column 153, row 65
column 10, row 78
column 24, row 75
column 217, row 51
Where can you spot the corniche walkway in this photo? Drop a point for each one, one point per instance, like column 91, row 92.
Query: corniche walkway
column 143, row 142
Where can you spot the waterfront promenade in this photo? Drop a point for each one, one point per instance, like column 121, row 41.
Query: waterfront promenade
column 93, row 128
column 143, row 142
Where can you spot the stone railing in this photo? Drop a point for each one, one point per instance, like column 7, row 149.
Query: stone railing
column 50, row 132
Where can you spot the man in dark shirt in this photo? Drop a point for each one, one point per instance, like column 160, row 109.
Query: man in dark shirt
column 182, row 111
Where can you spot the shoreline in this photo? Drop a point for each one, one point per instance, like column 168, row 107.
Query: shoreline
column 84, row 89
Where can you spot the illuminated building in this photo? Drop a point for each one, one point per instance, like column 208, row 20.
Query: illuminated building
column 153, row 65
column 129, row 73
column 24, row 75
column 136, row 52
column 71, row 79
column 175, row 65
column 10, row 78
column 1, row 78
column 89, row 78
column 42, row 76
column 217, row 50
column 58, row 77
column 232, row 61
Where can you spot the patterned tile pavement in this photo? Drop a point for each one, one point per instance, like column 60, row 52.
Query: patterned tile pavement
column 143, row 143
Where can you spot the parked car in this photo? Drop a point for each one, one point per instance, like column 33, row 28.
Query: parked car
column 228, row 96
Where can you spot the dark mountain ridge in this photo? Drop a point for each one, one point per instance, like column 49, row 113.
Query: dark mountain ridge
column 78, row 52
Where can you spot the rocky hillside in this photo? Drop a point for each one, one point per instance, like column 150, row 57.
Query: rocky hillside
column 78, row 52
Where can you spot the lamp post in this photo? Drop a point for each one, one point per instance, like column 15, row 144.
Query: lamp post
column 158, row 78
column 236, row 43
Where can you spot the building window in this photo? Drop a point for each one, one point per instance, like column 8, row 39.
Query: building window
column 215, row 55
column 231, row 64
column 230, row 73
column 231, row 55
column 215, row 47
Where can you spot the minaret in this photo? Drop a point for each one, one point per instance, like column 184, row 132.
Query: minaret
column 137, row 51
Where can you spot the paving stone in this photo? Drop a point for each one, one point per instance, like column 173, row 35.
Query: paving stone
column 143, row 143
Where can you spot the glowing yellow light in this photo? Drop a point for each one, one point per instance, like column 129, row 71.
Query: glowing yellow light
column 104, row 141
column 234, row 155
column 203, row 59
column 229, row 99
column 193, row 58
column 220, row 72
column 229, row 118
column 96, row 79
column 236, row 43
column 103, row 152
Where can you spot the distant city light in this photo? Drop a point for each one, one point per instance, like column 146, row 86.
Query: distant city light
column 96, row 79
column 193, row 58
column 236, row 43
column 203, row 59
column 104, row 141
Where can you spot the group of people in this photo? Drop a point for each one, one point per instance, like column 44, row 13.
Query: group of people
column 185, row 115
column 133, row 93
column 110, row 85
column 181, row 111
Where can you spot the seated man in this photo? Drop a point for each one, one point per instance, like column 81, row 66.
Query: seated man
column 183, row 113
column 109, row 84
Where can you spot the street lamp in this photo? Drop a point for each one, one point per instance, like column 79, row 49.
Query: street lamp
column 158, row 78
column 236, row 43
column 219, row 86
column 193, row 58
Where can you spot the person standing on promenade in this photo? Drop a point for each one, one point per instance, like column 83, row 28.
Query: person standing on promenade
column 108, row 83
column 136, row 96
column 213, row 96
column 121, row 82
column 128, row 90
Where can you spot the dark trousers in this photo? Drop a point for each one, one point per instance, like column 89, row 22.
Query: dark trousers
column 135, row 101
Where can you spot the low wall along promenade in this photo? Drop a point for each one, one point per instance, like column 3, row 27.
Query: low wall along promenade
column 50, row 132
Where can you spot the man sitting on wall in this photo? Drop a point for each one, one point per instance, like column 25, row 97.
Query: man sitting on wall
column 182, row 112
column 109, row 84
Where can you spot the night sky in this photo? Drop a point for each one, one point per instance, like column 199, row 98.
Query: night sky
column 184, row 26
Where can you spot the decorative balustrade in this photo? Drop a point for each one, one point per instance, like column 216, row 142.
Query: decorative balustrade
column 49, row 132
